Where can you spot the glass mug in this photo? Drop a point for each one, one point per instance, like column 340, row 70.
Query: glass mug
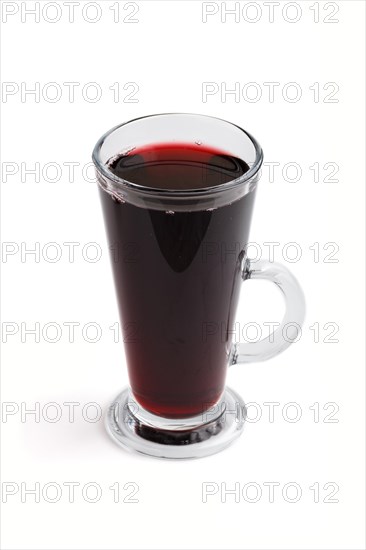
column 179, row 257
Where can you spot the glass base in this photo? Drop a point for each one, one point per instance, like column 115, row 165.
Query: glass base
column 135, row 429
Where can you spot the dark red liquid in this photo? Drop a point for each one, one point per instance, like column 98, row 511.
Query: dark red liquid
column 177, row 277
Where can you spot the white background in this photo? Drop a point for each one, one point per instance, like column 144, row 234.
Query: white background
column 169, row 53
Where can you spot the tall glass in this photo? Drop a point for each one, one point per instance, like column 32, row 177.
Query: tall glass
column 179, row 257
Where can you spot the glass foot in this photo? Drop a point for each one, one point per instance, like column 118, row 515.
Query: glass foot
column 135, row 429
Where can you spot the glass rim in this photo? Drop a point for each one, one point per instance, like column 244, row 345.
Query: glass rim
column 103, row 169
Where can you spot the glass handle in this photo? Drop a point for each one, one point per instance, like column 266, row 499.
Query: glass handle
column 288, row 330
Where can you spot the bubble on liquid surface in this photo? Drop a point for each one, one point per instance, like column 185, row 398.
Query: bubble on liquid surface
column 124, row 153
column 170, row 212
column 198, row 142
column 127, row 151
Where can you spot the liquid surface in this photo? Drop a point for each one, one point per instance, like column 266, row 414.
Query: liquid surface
column 172, row 166
column 177, row 278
